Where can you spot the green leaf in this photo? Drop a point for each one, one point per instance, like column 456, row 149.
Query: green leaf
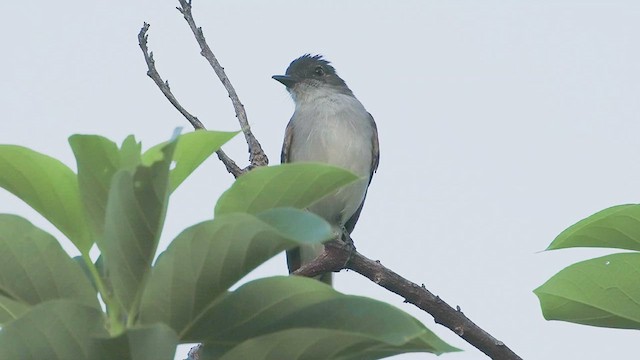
column 130, row 153
column 297, row 225
column 97, row 158
column 153, row 342
column 206, row 259
column 615, row 227
column 295, row 185
column 11, row 309
column 34, row 268
column 604, row 291
column 49, row 187
column 53, row 330
column 135, row 215
column 322, row 344
column 192, row 150
column 275, row 304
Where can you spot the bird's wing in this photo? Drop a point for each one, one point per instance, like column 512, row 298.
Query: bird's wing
column 294, row 260
column 375, row 159
column 286, row 145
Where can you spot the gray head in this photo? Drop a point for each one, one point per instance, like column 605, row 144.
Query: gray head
column 312, row 72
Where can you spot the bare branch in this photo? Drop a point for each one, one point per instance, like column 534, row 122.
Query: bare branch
column 163, row 85
column 338, row 255
column 257, row 157
column 152, row 72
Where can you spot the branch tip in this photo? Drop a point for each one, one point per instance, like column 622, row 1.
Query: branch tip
column 257, row 156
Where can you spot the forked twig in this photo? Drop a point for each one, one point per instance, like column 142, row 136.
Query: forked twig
column 152, row 72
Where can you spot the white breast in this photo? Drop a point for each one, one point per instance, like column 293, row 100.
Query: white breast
column 335, row 129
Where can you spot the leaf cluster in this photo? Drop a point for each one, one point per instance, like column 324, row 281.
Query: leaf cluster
column 603, row 291
column 117, row 200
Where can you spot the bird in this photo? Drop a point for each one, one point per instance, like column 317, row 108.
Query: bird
column 329, row 125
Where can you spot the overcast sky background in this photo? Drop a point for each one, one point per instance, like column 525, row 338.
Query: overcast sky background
column 501, row 123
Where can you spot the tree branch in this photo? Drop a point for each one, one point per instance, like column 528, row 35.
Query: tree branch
column 257, row 157
column 152, row 72
column 338, row 256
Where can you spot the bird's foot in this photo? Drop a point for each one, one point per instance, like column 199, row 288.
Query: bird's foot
column 348, row 242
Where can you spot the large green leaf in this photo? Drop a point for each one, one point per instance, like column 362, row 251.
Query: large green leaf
column 193, row 148
column 49, row 187
column 34, row 268
column 271, row 305
column 11, row 309
column 604, row 291
column 615, row 227
column 152, row 342
column 98, row 159
column 135, row 215
column 53, row 330
column 206, row 259
column 295, row 185
column 322, row 344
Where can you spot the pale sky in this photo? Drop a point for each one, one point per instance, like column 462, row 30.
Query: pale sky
column 501, row 123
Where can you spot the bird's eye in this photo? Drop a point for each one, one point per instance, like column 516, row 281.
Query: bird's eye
column 319, row 71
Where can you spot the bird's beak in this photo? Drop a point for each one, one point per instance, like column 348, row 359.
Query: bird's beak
column 286, row 80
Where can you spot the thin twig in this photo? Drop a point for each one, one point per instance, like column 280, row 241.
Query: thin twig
column 338, row 256
column 257, row 157
column 152, row 72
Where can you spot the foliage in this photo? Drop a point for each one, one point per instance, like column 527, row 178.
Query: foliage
column 117, row 200
column 604, row 291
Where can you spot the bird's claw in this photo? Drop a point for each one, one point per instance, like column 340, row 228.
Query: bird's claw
column 348, row 242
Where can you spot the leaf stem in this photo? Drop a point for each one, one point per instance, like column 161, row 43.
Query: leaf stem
column 115, row 325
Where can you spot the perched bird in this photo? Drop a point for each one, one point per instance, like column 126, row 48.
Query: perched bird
column 329, row 125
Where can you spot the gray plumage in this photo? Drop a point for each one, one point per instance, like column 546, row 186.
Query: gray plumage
column 329, row 125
